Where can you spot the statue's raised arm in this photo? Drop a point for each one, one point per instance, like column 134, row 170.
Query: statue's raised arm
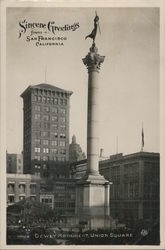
column 92, row 35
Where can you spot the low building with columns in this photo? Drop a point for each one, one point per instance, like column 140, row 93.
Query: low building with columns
column 22, row 186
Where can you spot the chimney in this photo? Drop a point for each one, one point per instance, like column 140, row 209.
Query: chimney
column 101, row 152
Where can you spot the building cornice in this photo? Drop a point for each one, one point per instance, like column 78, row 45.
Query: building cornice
column 44, row 86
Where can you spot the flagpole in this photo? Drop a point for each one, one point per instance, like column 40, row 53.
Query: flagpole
column 142, row 145
column 117, row 145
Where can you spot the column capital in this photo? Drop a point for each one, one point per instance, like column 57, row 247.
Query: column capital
column 93, row 60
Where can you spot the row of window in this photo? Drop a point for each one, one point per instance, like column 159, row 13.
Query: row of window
column 46, row 125
column 46, row 150
column 46, row 158
column 47, row 118
column 48, row 134
column 46, row 200
column 52, row 100
column 53, row 151
column 131, row 190
column 11, row 199
column 22, row 187
column 47, row 109
column 47, row 142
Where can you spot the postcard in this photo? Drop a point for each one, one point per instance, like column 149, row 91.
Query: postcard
column 82, row 116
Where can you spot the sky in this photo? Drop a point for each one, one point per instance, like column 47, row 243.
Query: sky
column 128, row 78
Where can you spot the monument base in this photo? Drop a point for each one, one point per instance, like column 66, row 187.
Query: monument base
column 92, row 202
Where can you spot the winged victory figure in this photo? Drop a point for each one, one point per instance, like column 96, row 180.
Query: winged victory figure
column 92, row 35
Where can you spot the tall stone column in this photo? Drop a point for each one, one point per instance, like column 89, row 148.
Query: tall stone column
column 93, row 61
column 92, row 191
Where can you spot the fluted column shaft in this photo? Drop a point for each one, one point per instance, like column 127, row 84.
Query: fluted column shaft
column 93, row 123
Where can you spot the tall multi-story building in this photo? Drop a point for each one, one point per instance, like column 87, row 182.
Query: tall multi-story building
column 14, row 163
column 134, row 193
column 46, row 126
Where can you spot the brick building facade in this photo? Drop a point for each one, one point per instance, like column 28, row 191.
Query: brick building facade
column 134, row 193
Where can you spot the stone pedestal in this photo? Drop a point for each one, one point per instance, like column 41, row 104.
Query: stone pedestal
column 92, row 203
column 92, row 193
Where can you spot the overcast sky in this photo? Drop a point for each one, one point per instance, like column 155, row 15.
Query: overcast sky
column 129, row 76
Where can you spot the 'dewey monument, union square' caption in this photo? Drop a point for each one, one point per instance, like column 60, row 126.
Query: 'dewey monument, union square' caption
column 92, row 192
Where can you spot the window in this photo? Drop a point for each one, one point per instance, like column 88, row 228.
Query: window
column 63, row 127
column 37, row 174
column 60, row 187
column 46, row 117
column 37, row 108
column 62, row 119
column 39, row 98
column 54, row 110
column 22, row 188
column 37, row 150
column 37, row 116
column 45, row 150
column 44, row 99
column 37, row 141
column 54, row 158
column 63, row 151
column 45, row 158
column 62, row 143
column 37, row 133
column 35, row 98
column 54, row 126
column 11, row 187
column 37, row 157
column 45, row 134
column 46, row 125
column 61, row 101
column 63, row 111
column 54, row 118
column 54, row 150
column 45, row 142
column 62, row 135
column 55, row 134
column 37, row 125
column 33, row 188
column 48, row 99
column 11, row 198
column 37, row 166
column 46, row 108
column 54, row 143
column 45, row 167
column 21, row 198
column 55, row 101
